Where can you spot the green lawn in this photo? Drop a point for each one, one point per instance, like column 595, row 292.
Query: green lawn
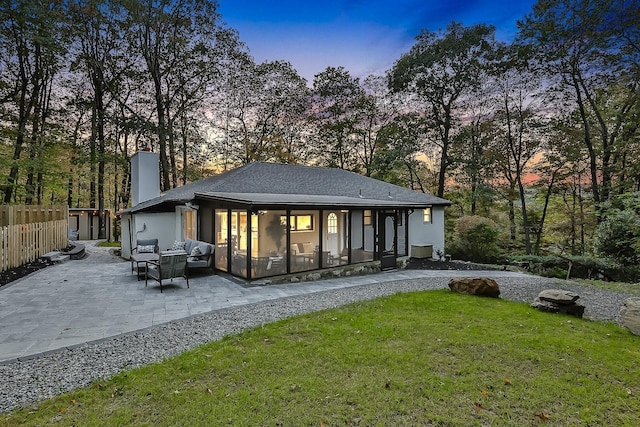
column 427, row 358
column 109, row 244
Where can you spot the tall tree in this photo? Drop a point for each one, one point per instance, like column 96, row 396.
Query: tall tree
column 30, row 56
column 176, row 41
column 440, row 69
column 98, row 39
column 517, row 136
column 469, row 151
column 261, row 112
column 396, row 159
column 375, row 111
column 589, row 46
column 336, row 95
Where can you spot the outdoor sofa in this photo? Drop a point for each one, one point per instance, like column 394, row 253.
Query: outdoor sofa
column 199, row 253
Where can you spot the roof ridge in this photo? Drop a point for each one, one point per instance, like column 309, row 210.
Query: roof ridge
column 224, row 176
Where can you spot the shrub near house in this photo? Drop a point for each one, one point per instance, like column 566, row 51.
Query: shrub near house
column 476, row 240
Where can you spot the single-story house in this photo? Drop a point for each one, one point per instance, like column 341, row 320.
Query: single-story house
column 267, row 219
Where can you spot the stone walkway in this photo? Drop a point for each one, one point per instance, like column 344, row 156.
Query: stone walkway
column 95, row 298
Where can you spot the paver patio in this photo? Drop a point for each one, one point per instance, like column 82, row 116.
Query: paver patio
column 69, row 304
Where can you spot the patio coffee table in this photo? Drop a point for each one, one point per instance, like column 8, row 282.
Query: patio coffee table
column 137, row 259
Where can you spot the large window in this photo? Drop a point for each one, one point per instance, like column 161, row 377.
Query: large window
column 189, row 225
column 362, row 238
column 332, row 223
column 239, row 237
column 298, row 222
column 231, row 240
column 367, row 217
column 269, row 244
column 305, row 240
column 221, row 239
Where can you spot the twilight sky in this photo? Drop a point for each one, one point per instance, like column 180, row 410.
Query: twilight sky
column 365, row 37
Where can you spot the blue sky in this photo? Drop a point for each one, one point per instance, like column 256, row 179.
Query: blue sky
column 363, row 36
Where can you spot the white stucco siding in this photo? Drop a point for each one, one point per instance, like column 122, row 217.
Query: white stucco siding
column 421, row 233
column 125, row 236
column 149, row 226
column 158, row 225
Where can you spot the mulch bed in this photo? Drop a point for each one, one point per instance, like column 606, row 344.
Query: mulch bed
column 9, row 276
column 429, row 264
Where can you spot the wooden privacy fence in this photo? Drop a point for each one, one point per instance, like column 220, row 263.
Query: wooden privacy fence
column 28, row 214
column 23, row 243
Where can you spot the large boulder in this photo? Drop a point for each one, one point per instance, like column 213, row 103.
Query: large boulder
column 482, row 286
column 551, row 307
column 630, row 314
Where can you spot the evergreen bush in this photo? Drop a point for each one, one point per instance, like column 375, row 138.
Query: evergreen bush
column 476, row 240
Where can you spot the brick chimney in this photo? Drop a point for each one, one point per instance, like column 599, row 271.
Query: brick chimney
column 145, row 177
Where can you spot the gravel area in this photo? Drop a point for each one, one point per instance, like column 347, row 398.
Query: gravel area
column 29, row 381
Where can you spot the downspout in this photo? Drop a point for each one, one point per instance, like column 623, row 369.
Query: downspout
column 130, row 235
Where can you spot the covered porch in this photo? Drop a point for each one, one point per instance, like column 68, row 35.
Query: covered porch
column 262, row 235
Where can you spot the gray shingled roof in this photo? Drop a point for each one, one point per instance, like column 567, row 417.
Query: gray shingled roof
column 280, row 184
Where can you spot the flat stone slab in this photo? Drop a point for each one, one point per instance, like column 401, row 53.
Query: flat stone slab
column 77, row 251
column 56, row 257
column 558, row 296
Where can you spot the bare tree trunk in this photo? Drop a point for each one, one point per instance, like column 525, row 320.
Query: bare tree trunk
column 30, row 185
column 593, row 163
column 25, row 106
column 512, row 219
column 92, row 159
column 162, row 134
column 185, row 141
column 547, row 197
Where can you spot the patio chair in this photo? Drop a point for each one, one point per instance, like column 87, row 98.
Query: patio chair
column 145, row 250
column 167, row 267
column 143, row 245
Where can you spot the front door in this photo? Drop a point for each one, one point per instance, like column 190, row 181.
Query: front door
column 332, row 234
column 387, row 233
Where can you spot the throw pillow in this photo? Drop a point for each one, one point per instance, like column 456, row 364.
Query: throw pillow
column 178, row 246
column 146, row 249
column 196, row 252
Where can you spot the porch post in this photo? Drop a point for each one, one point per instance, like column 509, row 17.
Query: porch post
column 395, row 233
column 349, row 242
column 249, row 261
column 288, row 234
column 406, row 233
column 376, row 240
column 320, row 246
column 229, row 255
